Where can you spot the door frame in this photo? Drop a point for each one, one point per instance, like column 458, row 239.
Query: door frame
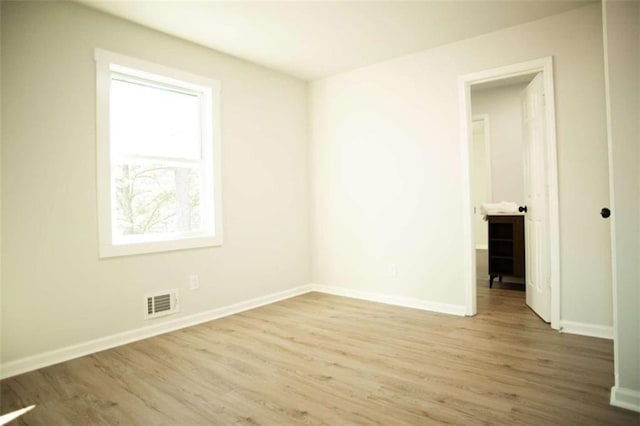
column 545, row 66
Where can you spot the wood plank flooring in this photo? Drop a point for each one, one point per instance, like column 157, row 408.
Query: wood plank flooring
column 321, row 359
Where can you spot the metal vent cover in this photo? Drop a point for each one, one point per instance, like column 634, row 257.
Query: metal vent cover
column 161, row 303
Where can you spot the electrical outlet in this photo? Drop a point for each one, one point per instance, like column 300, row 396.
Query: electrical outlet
column 194, row 282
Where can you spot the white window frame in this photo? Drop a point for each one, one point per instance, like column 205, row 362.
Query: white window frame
column 108, row 63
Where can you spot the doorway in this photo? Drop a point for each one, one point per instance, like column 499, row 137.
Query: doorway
column 545, row 154
column 497, row 175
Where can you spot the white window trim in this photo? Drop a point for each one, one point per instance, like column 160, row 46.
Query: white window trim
column 106, row 62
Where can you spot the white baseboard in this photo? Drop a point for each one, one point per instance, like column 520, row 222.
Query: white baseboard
column 392, row 300
column 585, row 329
column 625, row 398
column 67, row 353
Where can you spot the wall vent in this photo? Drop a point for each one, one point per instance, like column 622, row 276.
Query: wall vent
column 161, row 304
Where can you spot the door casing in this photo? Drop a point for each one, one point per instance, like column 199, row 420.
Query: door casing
column 545, row 66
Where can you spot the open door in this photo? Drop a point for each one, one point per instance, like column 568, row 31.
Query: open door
column 543, row 292
column 536, row 229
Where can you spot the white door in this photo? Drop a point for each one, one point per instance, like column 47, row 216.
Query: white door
column 536, row 221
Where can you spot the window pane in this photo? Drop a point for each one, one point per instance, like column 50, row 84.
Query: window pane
column 156, row 199
column 154, row 121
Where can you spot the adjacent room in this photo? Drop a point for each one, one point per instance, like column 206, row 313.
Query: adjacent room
column 320, row 212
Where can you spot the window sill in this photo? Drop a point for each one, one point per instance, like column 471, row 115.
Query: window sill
column 132, row 249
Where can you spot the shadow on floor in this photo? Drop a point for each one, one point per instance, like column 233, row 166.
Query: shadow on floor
column 482, row 275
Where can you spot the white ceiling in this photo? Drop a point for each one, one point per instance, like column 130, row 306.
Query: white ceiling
column 311, row 40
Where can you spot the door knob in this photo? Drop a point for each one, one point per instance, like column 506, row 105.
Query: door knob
column 605, row 212
column 522, row 209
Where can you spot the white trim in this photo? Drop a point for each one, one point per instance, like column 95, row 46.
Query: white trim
column 387, row 299
column 156, row 246
column 586, row 329
column 159, row 72
column 482, row 247
column 612, row 200
column 625, row 398
column 67, row 353
column 209, row 91
column 544, row 65
column 469, row 256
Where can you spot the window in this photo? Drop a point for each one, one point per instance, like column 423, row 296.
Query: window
column 158, row 157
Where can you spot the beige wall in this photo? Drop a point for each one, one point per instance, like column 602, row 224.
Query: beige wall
column 386, row 166
column 502, row 105
column 55, row 290
column 384, row 170
column 622, row 32
column 481, row 176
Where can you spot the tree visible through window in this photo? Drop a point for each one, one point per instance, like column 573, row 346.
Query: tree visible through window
column 155, row 198
column 160, row 159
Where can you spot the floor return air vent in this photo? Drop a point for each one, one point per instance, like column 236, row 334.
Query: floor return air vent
column 161, row 304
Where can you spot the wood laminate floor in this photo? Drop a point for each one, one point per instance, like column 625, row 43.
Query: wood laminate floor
column 321, row 359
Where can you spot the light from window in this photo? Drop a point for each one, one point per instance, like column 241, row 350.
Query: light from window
column 157, row 162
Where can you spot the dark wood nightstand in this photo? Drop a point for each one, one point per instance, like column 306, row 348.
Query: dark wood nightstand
column 506, row 246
